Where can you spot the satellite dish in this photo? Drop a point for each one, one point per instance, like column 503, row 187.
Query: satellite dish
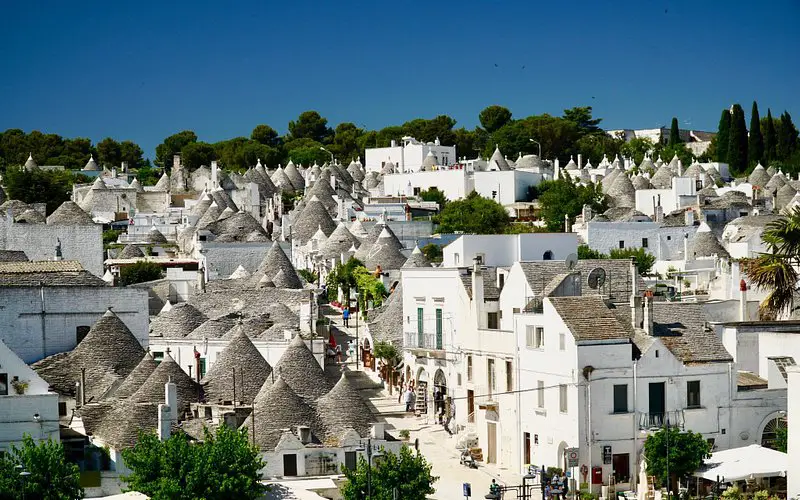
column 571, row 261
column 597, row 278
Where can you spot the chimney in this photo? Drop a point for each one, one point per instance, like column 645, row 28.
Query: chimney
column 304, row 433
column 477, row 290
column 688, row 217
column 580, row 160
column 83, row 387
column 647, row 320
column 556, row 169
column 587, row 213
column 113, row 172
column 333, row 182
column 686, row 247
column 378, row 430
column 567, row 227
column 124, row 167
column 659, row 215
column 743, row 314
column 394, row 143
column 176, row 162
column 213, row 173
column 59, row 255
column 164, row 423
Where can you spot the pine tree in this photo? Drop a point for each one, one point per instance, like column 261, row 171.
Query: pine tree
column 723, row 132
column 674, row 133
column 755, row 143
column 737, row 141
column 787, row 137
column 770, row 140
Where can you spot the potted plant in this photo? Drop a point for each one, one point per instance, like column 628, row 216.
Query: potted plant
column 20, row 386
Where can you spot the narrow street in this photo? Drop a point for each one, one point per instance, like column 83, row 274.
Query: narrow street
column 435, row 444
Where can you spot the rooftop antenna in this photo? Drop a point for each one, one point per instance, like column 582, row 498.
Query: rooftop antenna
column 597, row 278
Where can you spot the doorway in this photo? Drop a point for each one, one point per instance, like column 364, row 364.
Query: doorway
column 289, row 465
column 491, row 443
column 657, row 403
column 470, row 406
column 621, row 463
column 526, row 446
column 350, row 461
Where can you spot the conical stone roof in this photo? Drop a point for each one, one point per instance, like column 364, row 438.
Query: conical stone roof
column 109, row 353
column 162, row 184
column 313, row 217
column 130, row 252
column 178, row 322
column 152, row 391
column 99, row 185
column 385, row 252
column 694, row 170
column 388, row 325
column 276, row 260
column 641, row 182
column 339, row 242
column 30, row 216
column 210, row 216
column 608, row 180
column 647, row 166
column 498, row 158
column 705, row 244
column 215, row 328
column 784, row 195
column 70, row 214
column 759, row 176
column 300, row 370
column 417, row 259
column 341, row 409
column 662, row 178
column 155, row 236
column 775, row 183
column 279, row 408
column 91, row 165
column 622, row 193
column 282, row 181
column 135, row 184
column 137, row 377
column 372, row 236
column 199, row 208
column 357, row 230
column 223, row 199
column 251, row 369
column 294, row 176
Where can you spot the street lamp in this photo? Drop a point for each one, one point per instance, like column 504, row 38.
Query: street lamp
column 540, row 147
column 323, row 149
column 369, row 465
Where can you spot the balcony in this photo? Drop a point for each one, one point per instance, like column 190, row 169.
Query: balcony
column 648, row 421
column 415, row 340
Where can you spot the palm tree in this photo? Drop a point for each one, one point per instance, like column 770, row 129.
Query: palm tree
column 776, row 270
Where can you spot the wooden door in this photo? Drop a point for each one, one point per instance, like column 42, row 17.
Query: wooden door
column 491, row 443
column 289, row 465
column 470, row 406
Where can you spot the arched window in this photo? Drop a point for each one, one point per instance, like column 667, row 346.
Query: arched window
column 548, row 255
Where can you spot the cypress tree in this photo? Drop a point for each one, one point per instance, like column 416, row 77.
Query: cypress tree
column 723, row 132
column 755, row 143
column 674, row 133
column 770, row 141
column 787, row 137
column 737, row 141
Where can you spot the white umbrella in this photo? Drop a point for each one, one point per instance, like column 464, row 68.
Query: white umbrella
column 744, row 463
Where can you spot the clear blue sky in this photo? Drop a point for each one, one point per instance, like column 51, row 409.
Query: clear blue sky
column 144, row 70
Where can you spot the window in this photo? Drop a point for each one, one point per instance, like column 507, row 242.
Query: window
column 644, row 242
column 438, row 328
column 420, row 326
column 417, row 191
column 457, row 258
column 534, row 337
column 202, row 368
column 515, row 310
column 469, row 368
column 458, row 377
column 562, row 342
column 548, row 255
column 540, row 393
column 62, row 408
column 3, row 384
column 621, row 398
column 81, row 332
column 490, row 380
column 502, row 278
column 621, row 243
column 656, row 352
column 509, row 376
column 669, row 238
column 693, row 394
column 158, row 356
column 491, row 321
column 562, row 398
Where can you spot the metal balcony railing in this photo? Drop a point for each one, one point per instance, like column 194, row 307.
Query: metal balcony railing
column 663, row 419
column 415, row 340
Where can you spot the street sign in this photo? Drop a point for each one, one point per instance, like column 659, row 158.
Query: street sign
column 572, row 457
column 606, row 454
column 467, row 490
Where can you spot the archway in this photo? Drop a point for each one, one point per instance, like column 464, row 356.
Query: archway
column 422, row 375
column 366, row 354
column 561, row 458
column 769, row 433
column 548, row 255
column 439, row 392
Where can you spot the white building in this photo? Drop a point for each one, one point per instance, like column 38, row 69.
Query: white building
column 27, row 406
column 409, row 156
column 662, row 241
column 503, row 250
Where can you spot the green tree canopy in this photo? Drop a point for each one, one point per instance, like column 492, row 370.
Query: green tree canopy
column 473, row 215
column 51, row 476
column 52, row 187
column 755, row 145
column 565, row 197
column 434, row 194
column 131, row 152
column 723, row 136
column 266, row 135
column 171, row 146
column 644, row 260
column 109, row 152
column 494, row 117
column 433, row 252
column 770, row 139
column 310, row 125
column 343, row 276
column 637, row 148
column 581, row 116
column 787, row 137
column 737, row 142
column 140, row 272
column 306, row 151
column 584, row 252
column 196, row 154
column 407, row 472
column 345, row 144
column 222, row 467
column 674, row 132
column 681, row 453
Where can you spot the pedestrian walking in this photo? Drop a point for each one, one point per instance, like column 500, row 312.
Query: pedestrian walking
column 409, row 399
column 346, row 316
